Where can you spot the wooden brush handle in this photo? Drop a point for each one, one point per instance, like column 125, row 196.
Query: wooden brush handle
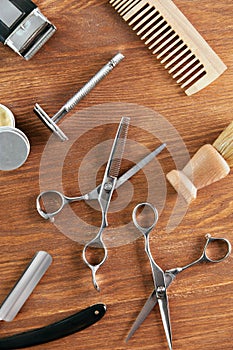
column 206, row 166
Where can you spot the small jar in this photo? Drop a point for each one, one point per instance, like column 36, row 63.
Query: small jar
column 6, row 117
column 14, row 144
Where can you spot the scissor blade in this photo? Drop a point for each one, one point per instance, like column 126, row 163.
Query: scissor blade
column 114, row 161
column 164, row 311
column 148, row 307
column 131, row 172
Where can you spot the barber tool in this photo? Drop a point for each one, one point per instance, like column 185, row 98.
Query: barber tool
column 51, row 123
column 157, row 296
column 209, row 164
column 25, row 286
column 6, row 117
column 173, row 39
column 14, row 148
column 57, row 330
column 157, row 272
column 23, row 27
column 55, row 201
column 50, row 203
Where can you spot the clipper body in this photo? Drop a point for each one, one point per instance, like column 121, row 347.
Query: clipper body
column 23, row 27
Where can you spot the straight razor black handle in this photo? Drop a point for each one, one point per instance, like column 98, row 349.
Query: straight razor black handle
column 57, row 330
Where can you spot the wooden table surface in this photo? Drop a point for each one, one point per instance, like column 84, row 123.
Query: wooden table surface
column 89, row 33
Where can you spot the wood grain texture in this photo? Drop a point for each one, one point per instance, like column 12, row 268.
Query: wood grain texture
column 201, row 302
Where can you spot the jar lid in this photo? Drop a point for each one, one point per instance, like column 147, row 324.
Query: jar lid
column 14, row 148
column 6, row 116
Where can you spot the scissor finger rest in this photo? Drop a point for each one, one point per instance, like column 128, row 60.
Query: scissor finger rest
column 216, row 249
column 50, row 203
column 94, row 255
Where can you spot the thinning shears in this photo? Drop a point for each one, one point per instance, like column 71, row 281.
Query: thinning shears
column 162, row 280
column 50, row 203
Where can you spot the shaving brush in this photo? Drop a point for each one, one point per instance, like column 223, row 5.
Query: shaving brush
column 208, row 165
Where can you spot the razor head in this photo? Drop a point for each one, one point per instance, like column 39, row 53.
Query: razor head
column 49, row 122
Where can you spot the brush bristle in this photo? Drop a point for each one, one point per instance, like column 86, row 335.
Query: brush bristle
column 224, row 144
column 120, row 146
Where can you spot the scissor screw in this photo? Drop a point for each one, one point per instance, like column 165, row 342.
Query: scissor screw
column 108, row 186
column 160, row 292
column 51, row 123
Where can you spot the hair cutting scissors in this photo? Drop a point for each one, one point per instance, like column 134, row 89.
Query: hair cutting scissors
column 157, row 273
column 169, row 275
column 50, row 203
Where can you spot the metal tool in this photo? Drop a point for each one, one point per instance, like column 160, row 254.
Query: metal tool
column 51, row 123
column 25, row 286
column 170, row 275
column 70, row 325
column 56, row 200
column 23, row 27
column 157, row 272
column 105, row 194
column 51, row 203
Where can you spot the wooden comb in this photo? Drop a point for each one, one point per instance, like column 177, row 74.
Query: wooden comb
column 177, row 44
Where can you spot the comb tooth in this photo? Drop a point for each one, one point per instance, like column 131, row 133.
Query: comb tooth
column 125, row 7
column 114, row 2
column 164, row 44
column 140, row 15
column 193, row 77
column 162, row 20
column 155, row 43
column 168, row 49
column 144, row 19
column 121, row 4
column 192, row 70
column 181, row 62
column 132, row 11
column 127, row 11
column 154, row 19
column 118, row 4
column 183, row 69
column 165, row 25
column 186, row 49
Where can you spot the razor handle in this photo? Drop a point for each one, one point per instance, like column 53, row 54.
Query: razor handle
column 57, row 330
